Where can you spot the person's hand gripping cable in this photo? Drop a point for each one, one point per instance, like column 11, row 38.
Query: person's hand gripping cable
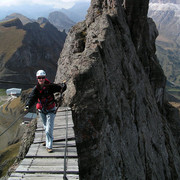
column 26, row 109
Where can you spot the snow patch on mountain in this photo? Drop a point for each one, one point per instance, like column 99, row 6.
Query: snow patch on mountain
column 165, row 7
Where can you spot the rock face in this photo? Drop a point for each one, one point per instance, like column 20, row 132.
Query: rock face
column 116, row 91
column 27, row 48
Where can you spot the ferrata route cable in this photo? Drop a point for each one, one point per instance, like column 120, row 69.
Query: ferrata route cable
column 11, row 82
column 13, row 123
column 66, row 142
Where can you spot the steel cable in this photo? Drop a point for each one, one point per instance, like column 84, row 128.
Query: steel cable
column 12, row 123
column 11, row 82
column 65, row 151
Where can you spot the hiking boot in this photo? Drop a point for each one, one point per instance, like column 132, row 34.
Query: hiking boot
column 44, row 144
column 49, row 150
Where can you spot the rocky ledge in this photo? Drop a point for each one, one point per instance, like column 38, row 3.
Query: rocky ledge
column 116, row 89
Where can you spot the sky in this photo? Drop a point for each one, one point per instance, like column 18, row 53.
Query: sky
column 52, row 3
column 34, row 8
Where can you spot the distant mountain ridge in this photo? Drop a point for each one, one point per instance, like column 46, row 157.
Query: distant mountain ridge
column 167, row 18
column 165, row 1
column 26, row 48
column 60, row 20
column 23, row 18
column 78, row 12
column 166, row 14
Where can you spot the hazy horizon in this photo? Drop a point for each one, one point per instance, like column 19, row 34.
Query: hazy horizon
column 34, row 9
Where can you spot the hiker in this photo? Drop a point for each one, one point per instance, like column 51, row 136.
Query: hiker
column 43, row 94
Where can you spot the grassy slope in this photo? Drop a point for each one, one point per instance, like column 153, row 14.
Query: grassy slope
column 3, row 96
column 8, row 113
column 2, row 92
column 169, row 58
column 8, row 156
column 10, row 40
column 174, row 92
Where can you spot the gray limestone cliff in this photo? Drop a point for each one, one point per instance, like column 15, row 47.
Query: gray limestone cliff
column 116, row 89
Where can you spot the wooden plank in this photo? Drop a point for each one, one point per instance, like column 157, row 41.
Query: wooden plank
column 57, row 133
column 40, row 151
column 39, row 164
column 57, row 127
column 40, row 134
column 61, row 122
column 62, row 131
column 49, row 169
column 29, row 176
column 58, row 121
column 56, row 154
column 64, row 108
column 37, row 147
column 47, row 162
column 62, row 144
column 56, row 138
column 57, row 144
column 42, row 175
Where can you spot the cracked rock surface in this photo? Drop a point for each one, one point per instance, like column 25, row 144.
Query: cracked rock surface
column 116, row 89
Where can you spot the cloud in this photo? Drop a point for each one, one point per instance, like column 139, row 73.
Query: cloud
column 51, row 3
column 10, row 2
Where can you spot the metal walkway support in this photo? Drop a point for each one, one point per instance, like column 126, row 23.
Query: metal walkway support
column 62, row 163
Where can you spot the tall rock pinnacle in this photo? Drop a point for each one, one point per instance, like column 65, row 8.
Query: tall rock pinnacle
column 116, row 90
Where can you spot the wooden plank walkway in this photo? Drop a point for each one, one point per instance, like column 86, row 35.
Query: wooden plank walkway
column 39, row 164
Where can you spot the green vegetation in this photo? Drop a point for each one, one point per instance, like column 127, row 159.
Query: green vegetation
column 8, row 113
column 2, row 102
column 3, row 96
column 174, row 92
column 169, row 57
column 2, row 92
column 11, row 39
column 8, row 157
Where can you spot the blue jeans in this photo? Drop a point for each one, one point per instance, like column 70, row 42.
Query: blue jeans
column 48, row 123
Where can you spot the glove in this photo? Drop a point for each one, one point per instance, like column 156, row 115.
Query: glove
column 26, row 108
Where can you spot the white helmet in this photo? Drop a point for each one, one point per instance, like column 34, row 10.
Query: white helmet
column 40, row 73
